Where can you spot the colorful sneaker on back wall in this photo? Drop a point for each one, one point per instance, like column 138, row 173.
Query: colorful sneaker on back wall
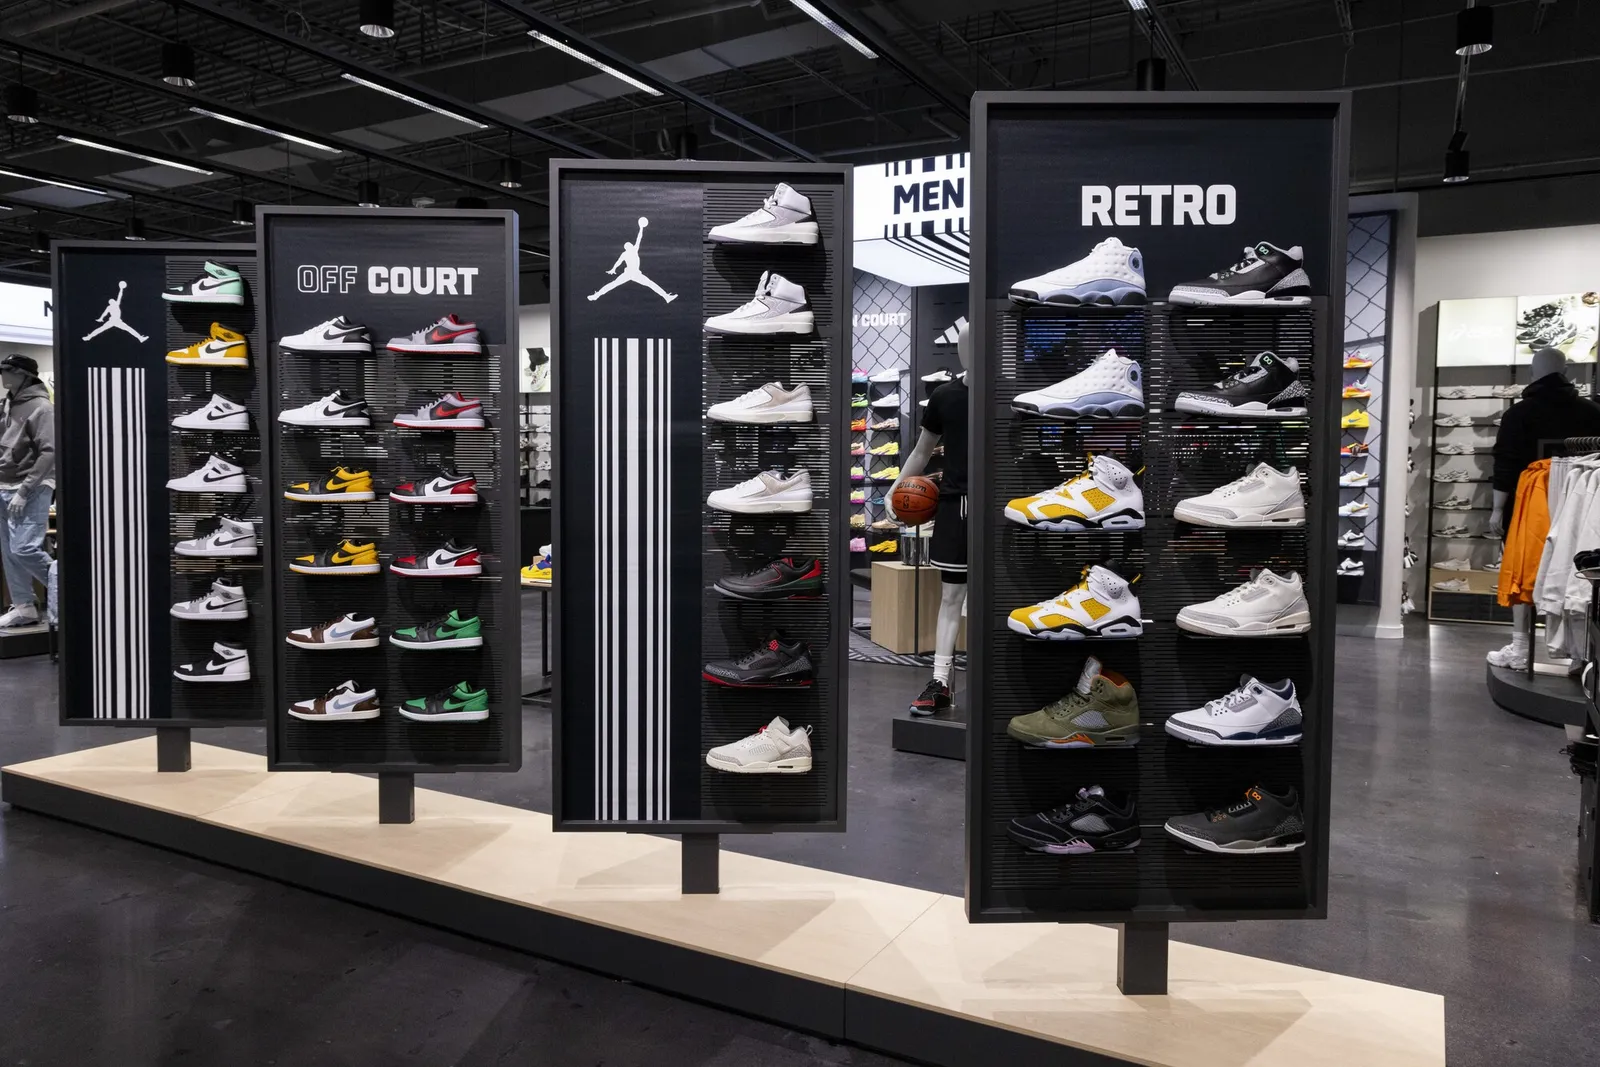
column 443, row 634
column 448, row 487
column 222, row 348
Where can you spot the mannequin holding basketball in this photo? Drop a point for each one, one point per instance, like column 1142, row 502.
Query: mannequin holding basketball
column 945, row 419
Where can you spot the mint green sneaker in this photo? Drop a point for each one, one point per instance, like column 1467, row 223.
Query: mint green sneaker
column 441, row 634
column 461, row 704
column 218, row 285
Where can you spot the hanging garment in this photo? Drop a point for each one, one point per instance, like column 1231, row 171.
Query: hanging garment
column 1560, row 593
column 1524, row 542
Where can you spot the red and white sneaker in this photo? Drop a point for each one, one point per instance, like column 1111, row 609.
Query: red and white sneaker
column 450, row 412
column 447, row 561
column 447, row 337
column 446, row 487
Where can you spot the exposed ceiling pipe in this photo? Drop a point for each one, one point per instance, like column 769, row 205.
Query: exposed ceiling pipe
column 41, row 23
column 71, row 214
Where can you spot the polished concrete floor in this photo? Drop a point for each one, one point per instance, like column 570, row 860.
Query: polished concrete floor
column 1452, row 856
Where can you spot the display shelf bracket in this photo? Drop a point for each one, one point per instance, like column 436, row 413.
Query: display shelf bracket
column 1142, row 959
column 701, row 863
column 172, row 748
column 397, row 797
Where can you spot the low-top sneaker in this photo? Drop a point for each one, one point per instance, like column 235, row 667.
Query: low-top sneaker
column 1104, row 497
column 338, row 409
column 231, row 538
column 1352, row 539
column 787, row 578
column 229, row 662
column 768, row 493
column 1102, row 605
column 219, row 415
column 447, row 337
column 1264, row 498
column 1110, row 387
column 770, row 403
column 215, row 475
column 1267, row 275
column 1453, row 585
column 1268, row 605
column 1101, row 711
column 891, row 400
column 776, row 748
column 340, row 486
column 1096, row 820
column 784, row 218
column 336, row 337
column 346, row 558
column 777, row 663
column 1255, row 713
column 447, row 561
column 448, row 487
column 1350, row 567
column 778, row 307
column 463, row 702
column 1261, row 822
column 452, row 411
column 1112, row 273
column 345, row 702
column 351, row 630
column 225, row 602
column 443, row 634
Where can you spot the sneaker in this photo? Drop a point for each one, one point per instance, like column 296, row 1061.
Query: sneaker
column 215, row 475
column 1407, row 605
column 1102, row 605
column 885, row 547
column 1352, row 539
column 788, row 578
column 1110, row 387
column 858, row 376
column 858, row 400
column 448, row 487
column 1255, row 714
column 784, row 218
column 229, row 662
column 336, row 337
column 778, row 663
column 443, row 634
column 541, row 572
column 1261, row 822
column 890, row 449
column 1355, row 479
column 1102, row 711
column 1510, row 657
column 1453, row 585
column 463, row 702
column 1356, row 361
column 1455, row 393
column 1452, row 565
column 1448, row 449
column 232, row 538
column 1268, row 387
column 771, row 403
column 1097, row 820
column 347, row 557
column 1492, row 567
column 1356, row 420
column 1267, row 275
column 342, row 486
column 887, row 375
column 1112, row 273
column 1355, row 448
column 1351, row 568
column 1454, row 530
column 1358, row 390
column 776, row 748
column 859, row 426
column 215, row 285
column 20, row 615
column 224, row 603
column 338, row 408
column 447, row 337
column 934, row 699
column 1408, row 559
column 779, row 306
column 893, row 400
column 886, row 526
column 452, row 411
column 858, row 544
column 220, row 415
column 1455, row 476
column 768, row 493
column 857, row 496
column 449, row 560
column 1104, row 497
column 223, row 348
column 351, row 630
column 1453, row 420
column 1266, row 606
column 939, row 377
column 886, row 424
column 345, row 702
column 1455, row 503
column 1355, row 509
column 1264, row 498
column 886, row 474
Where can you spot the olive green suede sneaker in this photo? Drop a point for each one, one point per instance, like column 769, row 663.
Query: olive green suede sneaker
column 1102, row 711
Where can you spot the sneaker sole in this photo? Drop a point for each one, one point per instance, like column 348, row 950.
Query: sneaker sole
column 714, row 680
column 245, row 677
column 219, row 553
column 761, row 418
column 790, row 233
column 1081, row 739
column 1113, row 631
column 445, row 645
column 212, row 616
column 436, row 350
column 1071, row 848
column 440, row 424
column 1298, row 623
column 775, row 596
column 1115, row 522
column 790, row 323
column 795, row 765
column 1123, row 409
column 213, row 488
column 347, row 716
column 330, row 498
column 354, row 424
column 1102, row 293
column 447, row 716
column 1253, row 409
column 1289, row 517
column 236, row 299
column 332, row 646
column 353, row 570
column 781, row 507
column 236, row 362
column 220, row 426
column 1252, row 298
column 1240, row 848
column 1184, row 733
column 324, row 349
column 458, row 499
column 437, row 572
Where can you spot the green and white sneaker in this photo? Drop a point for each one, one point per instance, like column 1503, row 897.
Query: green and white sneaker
column 460, row 704
column 1102, row 711
column 218, row 285
column 441, row 634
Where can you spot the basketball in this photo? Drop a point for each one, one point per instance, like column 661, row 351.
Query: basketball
column 915, row 500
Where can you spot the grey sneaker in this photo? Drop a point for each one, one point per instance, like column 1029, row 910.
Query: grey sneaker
column 1260, row 822
column 779, row 307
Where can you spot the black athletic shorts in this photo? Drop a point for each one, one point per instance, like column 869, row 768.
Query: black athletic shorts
column 947, row 548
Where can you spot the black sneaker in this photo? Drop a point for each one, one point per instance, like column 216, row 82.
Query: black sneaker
column 1097, row 820
column 789, row 578
column 936, row 699
column 1267, row 275
column 1261, row 822
column 1268, row 388
column 777, row 664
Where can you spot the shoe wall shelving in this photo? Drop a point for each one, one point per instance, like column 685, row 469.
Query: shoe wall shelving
column 1032, row 153
column 116, row 397
column 381, row 254
column 638, row 615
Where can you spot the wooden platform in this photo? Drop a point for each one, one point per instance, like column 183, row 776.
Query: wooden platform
column 875, row 964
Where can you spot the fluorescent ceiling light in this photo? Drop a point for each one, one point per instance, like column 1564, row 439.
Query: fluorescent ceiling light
column 1137, row 5
column 532, row 252
column 826, row 22
column 247, row 124
column 135, row 155
column 398, row 95
column 598, row 64
column 53, row 181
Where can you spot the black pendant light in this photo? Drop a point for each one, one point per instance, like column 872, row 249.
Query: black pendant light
column 510, row 174
column 1150, row 74
column 685, row 144
column 1456, row 159
column 244, row 212
column 377, row 18
column 1474, row 30
column 177, row 64
column 40, row 243
column 135, row 229
column 367, row 193
column 22, row 104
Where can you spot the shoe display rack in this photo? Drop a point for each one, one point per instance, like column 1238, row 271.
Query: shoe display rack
column 123, row 584
column 533, row 435
column 660, row 670
column 1144, row 566
column 442, row 705
column 875, row 455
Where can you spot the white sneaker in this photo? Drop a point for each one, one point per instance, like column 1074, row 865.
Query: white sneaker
column 1351, row 568
column 1407, row 605
column 1452, row 565
column 1256, row 713
column 20, row 615
column 1103, row 497
column 768, row 493
column 338, row 408
column 224, row 603
column 1453, row 420
column 1265, row 606
column 1355, row 478
column 216, row 475
column 784, row 218
column 1455, row 503
column 779, row 306
column 1455, row 529
column 1508, row 656
column 768, row 404
column 336, row 337
column 1102, row 605
column 229, row 663
column 1453, row 585
column 893, row 400
column 1110, row 387
column 219, row 415
column 887, row 375
column 231, row 538
column 1355, row 509
column 1448, row 449
column 776, row 748
column 1454, row 476
column 1263, row 498
column 1352, row 539
column 345, row 702
column 939, row 377
column 1112, row 273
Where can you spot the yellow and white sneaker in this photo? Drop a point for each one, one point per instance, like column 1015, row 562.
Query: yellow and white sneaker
column 340, row 487
column 1103, row 497
column 223, row 348
column 347, row 557
column 1102, row 605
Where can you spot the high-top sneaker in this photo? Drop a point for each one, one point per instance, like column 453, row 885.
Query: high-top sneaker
column 1101, row 605
column 779, row 306
column 784, row 218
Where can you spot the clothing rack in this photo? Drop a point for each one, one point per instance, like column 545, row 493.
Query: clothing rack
column 1548, row 448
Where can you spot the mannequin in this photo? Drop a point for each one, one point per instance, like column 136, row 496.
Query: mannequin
column 945, row 417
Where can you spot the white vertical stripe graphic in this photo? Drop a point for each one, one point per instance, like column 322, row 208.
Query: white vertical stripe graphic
column 140, row 569
column 661, row 576
column 647, row 533
column 97, row 559
column 599, row 603
column 117, row 510
column 614, row 538
column 631, row 548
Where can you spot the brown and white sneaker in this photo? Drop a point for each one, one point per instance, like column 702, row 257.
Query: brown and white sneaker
column 347, row 631
column 345, row 702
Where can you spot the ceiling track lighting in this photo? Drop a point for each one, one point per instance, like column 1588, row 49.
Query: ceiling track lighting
column 1474, row 30
column 593, row 61
column 135, row 230
column 1457, row 160
column 177, row 64
column 377, row 18
column 268, row 130
column 58, row 183
column 40, row 243
column 825, row 20
column 22, row 103
column 367, row 193
column 510, row 174
column 398, row 95
column 86, row 143
column 244, row 212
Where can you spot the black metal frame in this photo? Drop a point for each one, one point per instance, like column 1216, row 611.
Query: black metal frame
column 839, row 588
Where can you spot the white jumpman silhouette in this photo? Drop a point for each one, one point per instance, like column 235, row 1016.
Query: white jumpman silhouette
column 630, row 259
column 112, row 316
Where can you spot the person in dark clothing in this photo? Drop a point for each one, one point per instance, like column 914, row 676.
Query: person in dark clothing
column 1549, row 410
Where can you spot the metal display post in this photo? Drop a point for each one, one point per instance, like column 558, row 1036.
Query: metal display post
column 701, row 863
column 172, row 748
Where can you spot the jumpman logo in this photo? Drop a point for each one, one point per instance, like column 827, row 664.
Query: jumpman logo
column 112, row 316
column 629, row 261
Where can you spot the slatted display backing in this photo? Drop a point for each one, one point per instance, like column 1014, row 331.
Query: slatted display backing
column 734, row 544
column 1171, row 671
column 189, row 389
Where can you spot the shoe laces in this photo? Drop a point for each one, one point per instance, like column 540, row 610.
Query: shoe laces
column 1227, row 702
column 756, row 484
column 758, row 393
column 933, row 689
column 1077, row 806
column 1250, row 257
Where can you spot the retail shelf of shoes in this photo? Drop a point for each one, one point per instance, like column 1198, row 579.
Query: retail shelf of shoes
column 414, row 531
column 876, row 447
column 534, row 449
